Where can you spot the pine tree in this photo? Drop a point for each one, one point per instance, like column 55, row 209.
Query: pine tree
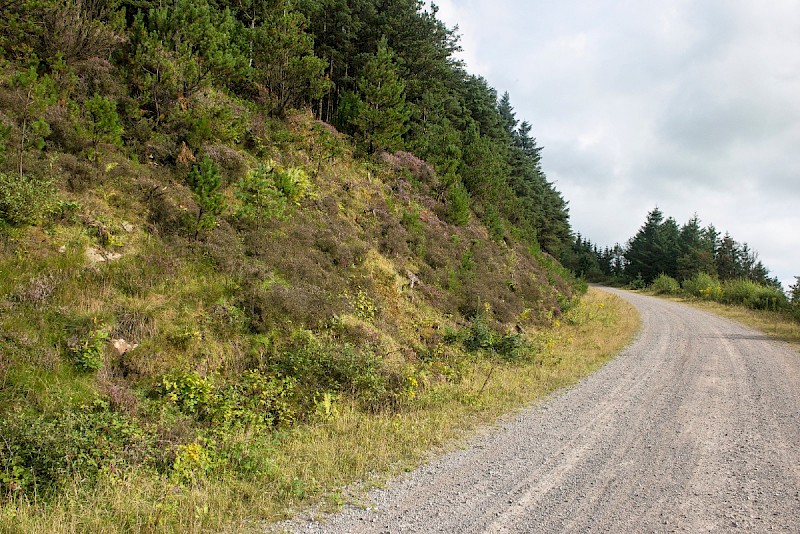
column 204, row 181
column 103, row 121
column 507, row 116
column 696, row 251
column 648, row 251
column 383, row 114
column 728, row 259
column 794, row 291
column 284, row 62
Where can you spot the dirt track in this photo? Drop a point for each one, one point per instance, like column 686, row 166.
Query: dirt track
column 694, row 428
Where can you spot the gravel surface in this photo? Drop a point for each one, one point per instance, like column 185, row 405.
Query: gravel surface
column 694, row 428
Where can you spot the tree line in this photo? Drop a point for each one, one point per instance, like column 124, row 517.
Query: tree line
column 144, row 72
column 662, row 246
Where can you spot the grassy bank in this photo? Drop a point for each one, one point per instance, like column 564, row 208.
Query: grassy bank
column 309, row 462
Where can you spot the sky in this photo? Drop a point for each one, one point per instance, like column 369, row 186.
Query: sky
column 691, row 106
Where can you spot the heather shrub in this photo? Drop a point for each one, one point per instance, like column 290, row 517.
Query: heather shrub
column 405, row 162
column 271, row 306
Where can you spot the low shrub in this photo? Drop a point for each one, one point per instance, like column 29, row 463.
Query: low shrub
column 405, row 162
column 41, row 453
column 320, row 366
column 88, row 353
column 25, row 199
column 252, row 400
column 638, row 282
column 703, row 286
column 752, row 295
column 480, row 337
column 665, row 285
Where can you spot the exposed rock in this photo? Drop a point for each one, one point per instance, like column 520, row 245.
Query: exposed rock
column 96, row 255
column 121, row 346
column 413, row 279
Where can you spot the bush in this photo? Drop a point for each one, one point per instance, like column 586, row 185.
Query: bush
column 293, row 183
column 41, row 453
column 752, row 295
column 87, row 355
column 26, row 200
column 665, row 285
column 638, row 282
column 253, row 400
column 703, row 286
column 458, row 204
column 320, row 366
column 479, row 336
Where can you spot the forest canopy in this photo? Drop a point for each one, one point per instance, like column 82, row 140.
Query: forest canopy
column 383, row 72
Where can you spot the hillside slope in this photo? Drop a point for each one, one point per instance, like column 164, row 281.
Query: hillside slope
column 194, row 266
column 136, row 335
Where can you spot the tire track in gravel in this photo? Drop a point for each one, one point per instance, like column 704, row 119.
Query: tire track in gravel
column 694, row 428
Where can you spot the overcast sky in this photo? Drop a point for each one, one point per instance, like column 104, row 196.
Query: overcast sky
column 692, row 106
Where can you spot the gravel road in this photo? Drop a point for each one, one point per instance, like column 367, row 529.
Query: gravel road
column 694, row 428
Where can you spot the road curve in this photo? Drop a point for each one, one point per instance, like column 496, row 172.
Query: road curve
column 694, row 428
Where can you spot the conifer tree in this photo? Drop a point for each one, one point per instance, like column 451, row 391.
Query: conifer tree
column 728, row 259
column 507, row 116
column 794, row 291
column 383, row 114
column 696, row 251
column 204, row 181
column 284, row 62
column 643, row 254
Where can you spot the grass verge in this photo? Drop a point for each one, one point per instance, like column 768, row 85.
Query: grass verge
column 311, row 463
column 774, row 324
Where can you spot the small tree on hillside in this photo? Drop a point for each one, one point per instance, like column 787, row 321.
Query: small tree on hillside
column 102, row 121
column 284, row 62
column 383, row 114
column 204, row 181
